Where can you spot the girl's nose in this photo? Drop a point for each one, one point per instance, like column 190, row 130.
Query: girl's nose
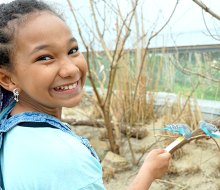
column 68, row 68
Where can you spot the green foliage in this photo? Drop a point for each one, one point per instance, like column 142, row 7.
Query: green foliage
column 164, row 75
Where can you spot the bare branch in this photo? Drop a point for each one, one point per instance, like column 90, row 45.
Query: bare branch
column 146, row 49
column 119, row 53
column 208, row 10
column 104, row 46
column 77, row 23
column 207, row 28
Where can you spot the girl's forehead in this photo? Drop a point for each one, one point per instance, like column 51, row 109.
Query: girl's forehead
column 40, row 22
column 34, row 16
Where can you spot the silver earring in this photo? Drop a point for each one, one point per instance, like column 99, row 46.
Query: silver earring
column 16, row 94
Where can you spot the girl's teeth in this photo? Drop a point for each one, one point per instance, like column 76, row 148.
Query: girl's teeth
column 68, row 87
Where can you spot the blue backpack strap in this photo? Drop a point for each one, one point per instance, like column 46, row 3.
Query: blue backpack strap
column 41, row 117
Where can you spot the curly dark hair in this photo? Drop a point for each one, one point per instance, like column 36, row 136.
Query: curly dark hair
column 14, row 11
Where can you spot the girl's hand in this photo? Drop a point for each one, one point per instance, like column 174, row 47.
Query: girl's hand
column 157, row 162
column 155, row 165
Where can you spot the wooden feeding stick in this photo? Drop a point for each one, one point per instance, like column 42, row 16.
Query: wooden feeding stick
column 180, row 141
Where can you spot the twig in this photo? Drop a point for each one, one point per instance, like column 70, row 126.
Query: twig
column 187, row 100
column 131, row 150
column 172, row 183
column 199, row 137
column 216, row 143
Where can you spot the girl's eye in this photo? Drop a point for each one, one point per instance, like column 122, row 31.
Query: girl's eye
column 73, row 51
column 44, row 58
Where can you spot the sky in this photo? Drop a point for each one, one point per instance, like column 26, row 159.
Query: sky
column 185, row 28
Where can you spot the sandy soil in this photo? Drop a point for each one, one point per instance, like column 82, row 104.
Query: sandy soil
column 194, row 166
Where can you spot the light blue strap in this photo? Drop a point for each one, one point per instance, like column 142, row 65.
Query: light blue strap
column 41, row 117
column 3, row 117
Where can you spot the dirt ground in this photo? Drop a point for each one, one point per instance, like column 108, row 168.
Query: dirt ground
column 195, row 166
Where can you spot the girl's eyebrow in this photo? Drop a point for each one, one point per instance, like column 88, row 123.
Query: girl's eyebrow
column 36, row 49
column 44, row 46
column 73, row 39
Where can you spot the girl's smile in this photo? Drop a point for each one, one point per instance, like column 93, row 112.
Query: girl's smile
column 67, row 90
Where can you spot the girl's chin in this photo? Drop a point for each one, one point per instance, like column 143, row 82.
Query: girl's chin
column 74, row 102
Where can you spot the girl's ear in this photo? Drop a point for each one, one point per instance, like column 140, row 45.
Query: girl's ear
column 5, row 80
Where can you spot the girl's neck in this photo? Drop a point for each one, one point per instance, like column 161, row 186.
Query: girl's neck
column 19, row 108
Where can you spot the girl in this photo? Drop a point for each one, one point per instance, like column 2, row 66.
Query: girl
column 41, row 71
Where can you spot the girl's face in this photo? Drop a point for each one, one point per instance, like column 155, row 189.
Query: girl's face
column 48, row 69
